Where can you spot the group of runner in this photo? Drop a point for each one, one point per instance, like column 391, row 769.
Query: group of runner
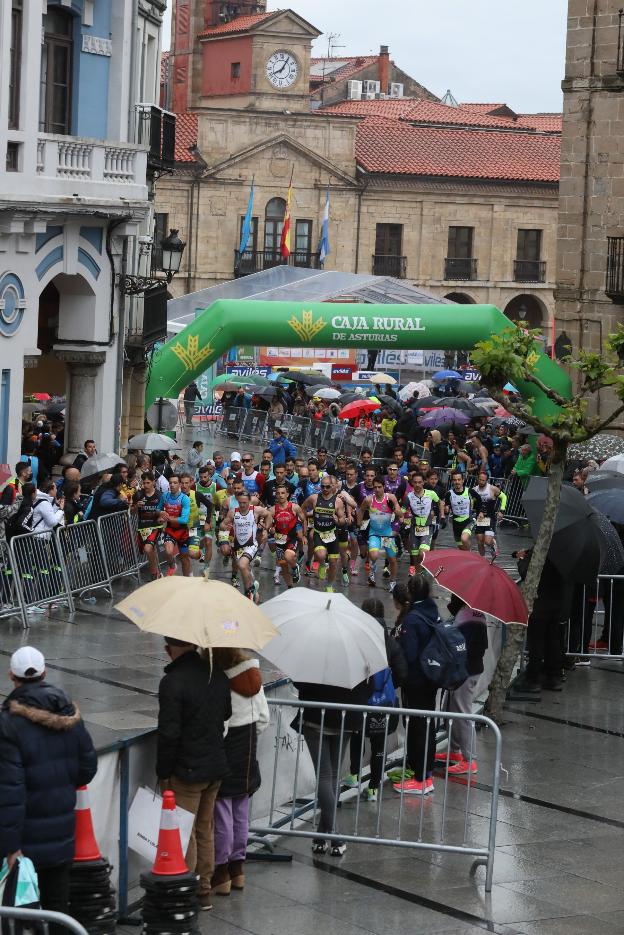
column 315, row 517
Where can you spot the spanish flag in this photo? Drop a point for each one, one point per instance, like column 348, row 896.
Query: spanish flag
column 285, row 241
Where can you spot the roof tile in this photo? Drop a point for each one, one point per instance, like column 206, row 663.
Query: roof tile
column 186, row 135
column 240, row 24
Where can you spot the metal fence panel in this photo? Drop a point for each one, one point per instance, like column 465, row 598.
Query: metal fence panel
column 595, row 629
column 38, row 570
column 255, row 426
column 81, row 553
column 232, row 421
column 317, row 434
column 9, row 598
column 43, row 916
column 444, row 824
column 296, row 429
column 119, row 545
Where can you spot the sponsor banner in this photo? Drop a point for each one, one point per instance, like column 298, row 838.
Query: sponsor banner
column 303, row 356
column 247, row 370
column 207, row 412
column 340, row 372
column 470, row 375
column 367, row 375
column 387, row 359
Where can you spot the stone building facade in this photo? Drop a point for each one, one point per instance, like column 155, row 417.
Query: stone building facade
column 459, row 200
column 590, row 268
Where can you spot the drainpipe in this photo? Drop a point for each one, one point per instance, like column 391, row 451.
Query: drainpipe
column 134, row 28
column 121, row 345
column 190, row 225
column 358, row 225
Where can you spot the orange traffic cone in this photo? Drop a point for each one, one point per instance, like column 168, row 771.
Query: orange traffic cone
column 86, row 847
column 169, row 857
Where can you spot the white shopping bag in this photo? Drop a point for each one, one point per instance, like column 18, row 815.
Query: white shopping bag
column 144, row 823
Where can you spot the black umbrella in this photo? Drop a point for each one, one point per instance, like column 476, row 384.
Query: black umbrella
column 352, row 397
column 605, row 480
column 427, row 402
column 393, row 405
column 307, row 379
column 611, row 549
column 266, row 392
column 575, row 545
column 464, row 405
column 609, row 502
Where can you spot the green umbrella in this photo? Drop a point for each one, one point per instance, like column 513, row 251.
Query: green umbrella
column 256, row 379
column 229, row 378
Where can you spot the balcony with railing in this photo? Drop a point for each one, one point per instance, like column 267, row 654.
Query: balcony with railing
column 460, row 269
column 614, row 286
column 156, row 130
column 386, row 264
column 529, row 271
column 102, row 168
column 255, row 261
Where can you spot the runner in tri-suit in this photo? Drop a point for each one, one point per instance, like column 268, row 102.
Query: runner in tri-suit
column 488, row 503
column 147, row 504
column 176, row 513
column 285, row 518
column 247, row 523
column 381, row 508
column 328, row 513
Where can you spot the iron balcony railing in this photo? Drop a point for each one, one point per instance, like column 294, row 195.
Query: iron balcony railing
column 156, row 130
column 387, row 264
column 255, row 261
column 529, row 271
column 460, row 268
column 615, row 269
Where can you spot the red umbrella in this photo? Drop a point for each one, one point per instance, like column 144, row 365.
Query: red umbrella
column 478, row 583
column 357, row 408
column 42, row 397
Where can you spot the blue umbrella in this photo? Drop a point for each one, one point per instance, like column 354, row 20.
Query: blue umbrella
column 609, row 502
column 443, row 375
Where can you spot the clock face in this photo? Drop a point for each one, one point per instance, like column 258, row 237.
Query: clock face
column 282, row 69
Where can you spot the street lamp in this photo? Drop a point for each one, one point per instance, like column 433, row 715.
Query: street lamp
column 522, row 312
column 170, row 250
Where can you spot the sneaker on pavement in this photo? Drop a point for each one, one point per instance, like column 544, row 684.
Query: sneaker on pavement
column 391, row 586
column 386, row 572
column 337, row 850
column 277, row 577
column 205, row 901
column 350, row 780
column 597, row 645
column 319, row 847
column 463, row 767
column 345, row 577
column 371, row 581
column 371, row 795
column 452, row 757
column 428, row 785
column 296, row 574
column 329, row 589
column 413, row 787
column 322, row 571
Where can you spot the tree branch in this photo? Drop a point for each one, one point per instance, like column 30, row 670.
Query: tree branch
column 608, row 421
column 546, row 390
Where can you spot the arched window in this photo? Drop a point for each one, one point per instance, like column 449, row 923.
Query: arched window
column 273, row 223
column 55, row 90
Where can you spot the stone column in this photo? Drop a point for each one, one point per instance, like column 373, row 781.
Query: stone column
column 82, row 367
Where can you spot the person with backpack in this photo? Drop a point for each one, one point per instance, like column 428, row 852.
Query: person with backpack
column 48, row 511
column 383, row 695
column 436, row 658
column 13, row 487
column 473, row 626
column 20, row 521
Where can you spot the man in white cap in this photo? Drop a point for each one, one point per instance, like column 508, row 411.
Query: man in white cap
column 46, row 753
column 235, row 464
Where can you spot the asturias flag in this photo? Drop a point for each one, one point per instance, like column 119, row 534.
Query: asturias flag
column 323, row 247
column 285, row 242
column 246, row 230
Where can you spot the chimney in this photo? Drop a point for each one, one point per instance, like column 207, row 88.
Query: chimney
column 384, row 69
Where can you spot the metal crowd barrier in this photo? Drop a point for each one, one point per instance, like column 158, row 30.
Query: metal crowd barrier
column 42, row 916
column 82, row 555
column 39, row 572
column 595, row 629
column 255, row 426
column 440, row 821
column 118, row 541
column 9, row 597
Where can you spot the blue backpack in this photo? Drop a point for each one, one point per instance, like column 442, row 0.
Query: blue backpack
column 384, row 692
column 443, row 660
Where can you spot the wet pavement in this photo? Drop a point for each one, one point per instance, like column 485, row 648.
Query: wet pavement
column 558, row 868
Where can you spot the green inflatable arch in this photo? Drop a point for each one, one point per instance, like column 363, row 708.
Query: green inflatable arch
column 290, row 324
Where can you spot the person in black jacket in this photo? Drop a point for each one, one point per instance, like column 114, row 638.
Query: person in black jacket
column 473, row 627
column 194, row 704
column 191, row 393
column 376, row 726
column 418, row 692
column 327, row 748
column 45, row 754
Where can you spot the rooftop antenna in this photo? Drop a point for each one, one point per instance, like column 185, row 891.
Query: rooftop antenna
column 332, row 45
column 449, row 100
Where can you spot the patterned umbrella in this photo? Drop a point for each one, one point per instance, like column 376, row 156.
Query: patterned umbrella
column 604, row 445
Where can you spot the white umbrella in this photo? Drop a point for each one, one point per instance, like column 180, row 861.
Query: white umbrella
column 324, row 638
column 384, row 378
column 152, row 441
column 616, row 463
column 327, row 392
column 420, row 388
column 98, row 464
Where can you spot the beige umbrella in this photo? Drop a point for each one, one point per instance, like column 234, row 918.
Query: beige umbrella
column 383, row 378
column 206, row 613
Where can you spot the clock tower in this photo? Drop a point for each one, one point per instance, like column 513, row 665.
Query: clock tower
column 239, row 56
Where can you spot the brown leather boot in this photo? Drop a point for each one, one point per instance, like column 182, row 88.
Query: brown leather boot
column 237, row 874
column 221, row 882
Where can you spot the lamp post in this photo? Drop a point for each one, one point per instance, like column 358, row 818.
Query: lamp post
column 170, row 249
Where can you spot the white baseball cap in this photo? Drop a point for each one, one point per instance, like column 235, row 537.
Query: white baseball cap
column 27, row 663
column 235, row 456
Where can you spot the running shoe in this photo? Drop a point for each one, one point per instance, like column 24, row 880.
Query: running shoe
column 277, row 575
column 322, row 571
column 337, row 850
column 371, row 795
column 308, row 571
column 354, row 567
column 170, row 571
column 296, row 574
column 329, row 589
column 413, row 787
column 256, row 593
column 386, row 572
column 235, row 582
column 598, row 645
column 350, row 780
column 462, row 768
column 494, row 552
column 392, row 586
column 371, row 581
column 453, row 757
column 319, row 847
column 345, row 577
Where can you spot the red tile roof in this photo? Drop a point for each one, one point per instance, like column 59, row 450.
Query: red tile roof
column 552, row 123
column 396, row 148
column 240, row 24
column 393, row 107
column 351, row 65
column 186, row 135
